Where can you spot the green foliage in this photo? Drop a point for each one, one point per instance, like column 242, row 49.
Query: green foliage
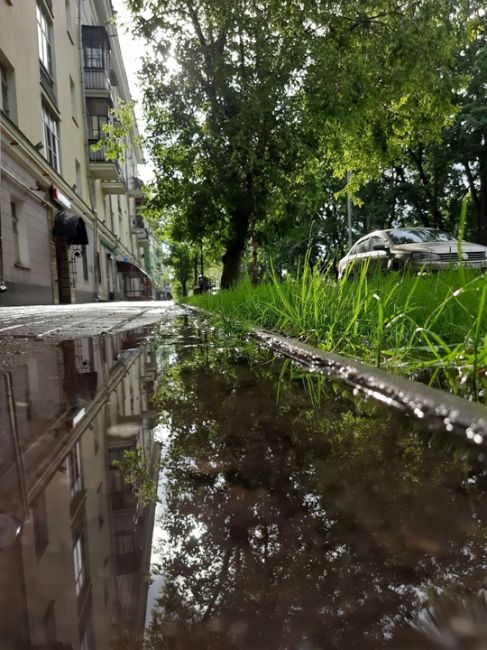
column 116, row 132
column 257, row 111
column 140, row 474
column 404, row 323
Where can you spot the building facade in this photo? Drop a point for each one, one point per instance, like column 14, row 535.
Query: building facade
column 70, row 228
column 75, row 539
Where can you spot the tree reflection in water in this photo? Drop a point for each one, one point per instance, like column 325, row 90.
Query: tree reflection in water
column 292, row 522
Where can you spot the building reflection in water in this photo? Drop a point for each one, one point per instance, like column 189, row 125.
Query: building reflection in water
column 74, row 539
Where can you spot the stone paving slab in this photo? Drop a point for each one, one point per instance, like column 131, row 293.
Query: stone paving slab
column 62, row 322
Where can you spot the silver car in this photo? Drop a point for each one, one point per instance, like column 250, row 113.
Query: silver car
column 413, row 248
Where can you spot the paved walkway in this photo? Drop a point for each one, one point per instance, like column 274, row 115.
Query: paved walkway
column 60, row 322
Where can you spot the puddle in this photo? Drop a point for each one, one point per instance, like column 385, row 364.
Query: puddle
column 74, row 539
column 291, row 515
column 295, row 516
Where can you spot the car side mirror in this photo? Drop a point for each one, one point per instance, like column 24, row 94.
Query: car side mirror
column 381, row 247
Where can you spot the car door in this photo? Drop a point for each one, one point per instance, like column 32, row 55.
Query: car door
column 379, row 259
column 359, row 254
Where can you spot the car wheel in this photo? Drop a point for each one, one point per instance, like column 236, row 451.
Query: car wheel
column 400, row 265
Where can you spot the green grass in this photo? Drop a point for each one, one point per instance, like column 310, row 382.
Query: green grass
column 432, row 327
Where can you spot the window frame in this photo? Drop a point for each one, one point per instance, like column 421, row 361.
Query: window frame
column 79, row 564
column 380, row 239
column 45, row 40
column 52, row 141
column 75, row 471
column 5, row 92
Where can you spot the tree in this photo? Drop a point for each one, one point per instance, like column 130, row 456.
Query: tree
column 246, row 97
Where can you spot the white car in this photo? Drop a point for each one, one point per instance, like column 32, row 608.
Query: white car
column 414, row 248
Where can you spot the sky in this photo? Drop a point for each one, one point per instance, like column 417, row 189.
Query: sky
column 132, row 51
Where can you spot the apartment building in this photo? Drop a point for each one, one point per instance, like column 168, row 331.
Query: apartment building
column 70, row 228
column 73, row 575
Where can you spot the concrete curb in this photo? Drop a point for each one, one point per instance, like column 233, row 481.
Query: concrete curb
column 439, row 409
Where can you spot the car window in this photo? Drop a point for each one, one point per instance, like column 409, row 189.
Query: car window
column 362, row 246
column 375, row 241
column 418, row 235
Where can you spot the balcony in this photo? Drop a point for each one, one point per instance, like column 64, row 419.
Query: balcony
column 139, row 229
column 107, row 171
column 47, row 84
column 136, row 187
column 97, row 82
column 96, row 61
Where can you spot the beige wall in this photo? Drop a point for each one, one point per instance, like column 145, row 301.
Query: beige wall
column 90, row 196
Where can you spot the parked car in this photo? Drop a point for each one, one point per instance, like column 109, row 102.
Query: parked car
column 414, row 248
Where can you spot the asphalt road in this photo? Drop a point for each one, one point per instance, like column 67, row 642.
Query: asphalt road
column 60, row 322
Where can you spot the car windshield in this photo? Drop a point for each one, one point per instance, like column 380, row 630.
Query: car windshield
column 418, row 235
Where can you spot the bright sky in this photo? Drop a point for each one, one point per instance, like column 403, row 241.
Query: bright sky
column 132, row 51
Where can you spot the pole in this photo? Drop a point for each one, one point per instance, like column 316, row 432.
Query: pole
column 349, row 213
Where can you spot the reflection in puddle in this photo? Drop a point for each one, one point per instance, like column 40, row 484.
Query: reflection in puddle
column 292, row 514
column 75, row 540
column 307, row 519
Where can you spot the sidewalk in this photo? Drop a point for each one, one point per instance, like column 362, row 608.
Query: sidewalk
column 61, row 322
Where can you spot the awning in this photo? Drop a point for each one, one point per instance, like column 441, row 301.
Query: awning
column 70, row 228
column 130, row 269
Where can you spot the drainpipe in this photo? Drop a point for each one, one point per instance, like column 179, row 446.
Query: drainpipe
column 87, row 154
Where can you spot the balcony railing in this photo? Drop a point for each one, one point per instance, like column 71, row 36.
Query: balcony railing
column 96, row 79
column 100, row 154
column 138, row 222
column 47, row 83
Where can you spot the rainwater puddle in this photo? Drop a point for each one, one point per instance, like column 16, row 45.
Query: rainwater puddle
column 291, row 515
column 295, row 516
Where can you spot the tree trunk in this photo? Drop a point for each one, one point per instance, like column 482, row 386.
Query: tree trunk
column 482, row 217
column 430, row 194
column 232, row 258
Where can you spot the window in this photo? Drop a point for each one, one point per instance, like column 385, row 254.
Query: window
column 8, row 103
column 19, row 231
column 74, row 103
column 44, row 36
column 15, row 231
column 98, row 268
column 41, row 533
column 95, row 126
column 84, row 260
column 5, row 90
column 97, row 116
column 94, row 55
column 376, row 241
column 51, row 139
column 79, row 184
column 362, row 247
column 101, row 505
column 79, row 565
column 75, row 471
column 124, row 543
